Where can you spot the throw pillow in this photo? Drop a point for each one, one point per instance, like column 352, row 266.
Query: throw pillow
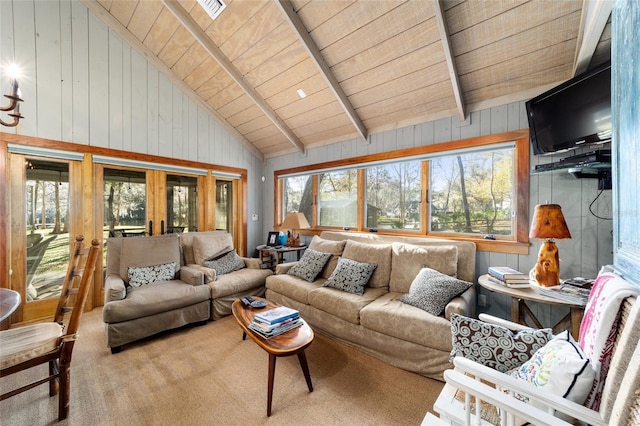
column 143, row 275
column 408, row 259
column 310, row 265
column 379, row 254
column 229, row 262
column 335, row 248
column 559, row 367
column 210, row 245
column 350, row 276
column 495, row 346
column 431, row 291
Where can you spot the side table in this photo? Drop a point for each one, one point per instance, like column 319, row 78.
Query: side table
column 279, row 252
column 520, row 311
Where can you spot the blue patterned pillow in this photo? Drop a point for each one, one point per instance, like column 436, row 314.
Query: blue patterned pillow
column 143, row 275
column 350, row 276
column 310, row 265
column 432, row 290
column 227, row 263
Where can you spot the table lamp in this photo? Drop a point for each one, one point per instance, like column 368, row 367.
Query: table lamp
column 548, row 223
column 293, row 221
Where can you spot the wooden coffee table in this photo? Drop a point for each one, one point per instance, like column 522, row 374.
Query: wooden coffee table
column 293, row 342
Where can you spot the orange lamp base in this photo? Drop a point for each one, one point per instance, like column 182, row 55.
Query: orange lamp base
column 547, row 269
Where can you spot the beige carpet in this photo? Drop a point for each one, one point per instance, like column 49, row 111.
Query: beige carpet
column 206, row 375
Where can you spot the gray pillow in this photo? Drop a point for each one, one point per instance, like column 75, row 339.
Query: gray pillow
column 228, row 263
column 432, row 290
column 495, row 346
column 143, row 275
column 350, row 276
column 310, row 265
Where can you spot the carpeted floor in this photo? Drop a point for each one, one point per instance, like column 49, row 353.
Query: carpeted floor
column 206, row 375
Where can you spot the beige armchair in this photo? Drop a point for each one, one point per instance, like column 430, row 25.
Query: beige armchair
column 152, row 302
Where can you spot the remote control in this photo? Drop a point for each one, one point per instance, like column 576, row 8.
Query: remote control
column 247, row 300
column 258, row 304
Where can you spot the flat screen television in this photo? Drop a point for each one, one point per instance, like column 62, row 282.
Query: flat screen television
column 572, row 115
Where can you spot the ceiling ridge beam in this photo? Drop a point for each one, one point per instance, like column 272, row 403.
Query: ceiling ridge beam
column 114, row 25
column 438, row 8
column 325, row 71
column 595, row 15
column 191, row 25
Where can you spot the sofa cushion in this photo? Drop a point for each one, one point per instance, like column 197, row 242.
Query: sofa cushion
column 293, row 287
column 310, row 265
column 152, row 299
column 148, row 251
column 431, row 291
column 343, row 304
column 350, row 276
column 408, row 259
column 378, row 254
column 208, row 246
column 495, row 346
column 143, row 275
column 335, row 248
column 238, row 281
column 389, row 316
column 224, row 264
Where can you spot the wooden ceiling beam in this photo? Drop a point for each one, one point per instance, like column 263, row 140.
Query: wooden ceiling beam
column 110, row 21
column 438, row 8
column 311, row 47
column 595, row 15
column 189, row 23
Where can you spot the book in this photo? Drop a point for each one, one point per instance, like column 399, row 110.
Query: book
column 505, row 272
column 505, row 283
column 276, row 315
column 270, row 327
column 276, row 331
column 568, row 293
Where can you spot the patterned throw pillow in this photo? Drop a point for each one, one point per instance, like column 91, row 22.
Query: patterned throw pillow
column 143, row 275
column 350, row 276
column 310, row 265
column 495, row 346
column 559, row 367
column 431, row 291
column 227, row 263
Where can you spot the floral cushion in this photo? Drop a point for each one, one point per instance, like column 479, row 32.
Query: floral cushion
column 432, row 290
column 350, row 276
column 226, row 263
column 495, row 346
column 310, row 265
column 143, row 275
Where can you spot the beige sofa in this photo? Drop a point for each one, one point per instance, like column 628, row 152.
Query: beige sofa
column 376, row 322
column 195, row 295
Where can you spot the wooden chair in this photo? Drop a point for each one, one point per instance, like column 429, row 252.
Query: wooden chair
column 24, row 347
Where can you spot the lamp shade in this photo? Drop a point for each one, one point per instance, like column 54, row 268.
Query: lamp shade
column 548, row 223
column 295, row 221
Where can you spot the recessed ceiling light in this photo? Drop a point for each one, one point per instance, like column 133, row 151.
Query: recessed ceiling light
column 212, row 7
column 301, row 93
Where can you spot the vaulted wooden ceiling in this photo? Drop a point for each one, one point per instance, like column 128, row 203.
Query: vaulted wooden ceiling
column 365, row 65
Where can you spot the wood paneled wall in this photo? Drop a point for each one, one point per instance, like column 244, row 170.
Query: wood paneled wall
column 83, row 84
column 591, row 244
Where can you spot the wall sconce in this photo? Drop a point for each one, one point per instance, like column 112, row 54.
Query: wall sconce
column 14, row 99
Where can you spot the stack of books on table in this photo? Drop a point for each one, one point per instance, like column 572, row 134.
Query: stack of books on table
column 275, row 321
column 567, row 293
column 508, row 277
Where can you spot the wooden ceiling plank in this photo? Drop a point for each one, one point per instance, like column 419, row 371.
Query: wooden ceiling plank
column 307, row 104
column 237, row 106
column 325, row 71
column 324, row 124
column 288, row 95
column 143, row 18
column 226, row 96
column 226, row 64
column 284, row 60
column 320, row 113
column 176, row 46
column 468, row 14
column 161, row 31
column 595, row 17
column 234, row 17
column 193, row 57
column 123, row 10
column 256, row 124
column 216, row 84
column 441, row 19
column 265, row 49
column 202, row 73
column 264, row 132
column 136, row 44
column 315, row 13
column 289, row 80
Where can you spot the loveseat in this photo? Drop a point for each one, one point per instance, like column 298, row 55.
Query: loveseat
column 377, row 322
column 158, row 300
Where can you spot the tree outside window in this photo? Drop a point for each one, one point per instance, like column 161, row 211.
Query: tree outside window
column 338, row 198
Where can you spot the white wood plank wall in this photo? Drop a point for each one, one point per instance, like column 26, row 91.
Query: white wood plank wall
column 591, row 244
column 83, row 84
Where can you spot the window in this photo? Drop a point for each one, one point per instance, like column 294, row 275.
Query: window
column 125, row 198
column 182, row 204
column 464, row 189
column 472, row 193
column 224, row 205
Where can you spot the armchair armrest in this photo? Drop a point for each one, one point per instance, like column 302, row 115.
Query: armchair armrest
column 191, row 276
column 114, row 288
column 283, row 268
column 464, row 304
column 553, row 402
column 252, row 263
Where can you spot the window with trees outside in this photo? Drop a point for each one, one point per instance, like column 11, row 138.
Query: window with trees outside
column 474, row 189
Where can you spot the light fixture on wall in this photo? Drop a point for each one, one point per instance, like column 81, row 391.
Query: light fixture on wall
column 14, row 98
column 548, row 223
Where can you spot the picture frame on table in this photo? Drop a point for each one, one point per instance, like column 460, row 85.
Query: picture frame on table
column 272, row 239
